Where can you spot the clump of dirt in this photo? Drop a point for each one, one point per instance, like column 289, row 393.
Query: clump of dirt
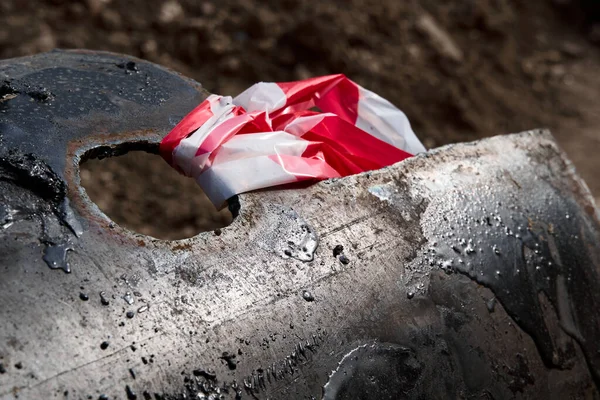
column 460, row 70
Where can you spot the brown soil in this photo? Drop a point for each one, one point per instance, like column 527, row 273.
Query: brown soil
column 461, row 70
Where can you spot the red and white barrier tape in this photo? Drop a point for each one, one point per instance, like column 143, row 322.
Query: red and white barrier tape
column 279, row 133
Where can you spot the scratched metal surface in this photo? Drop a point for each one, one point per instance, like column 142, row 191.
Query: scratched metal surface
column 468, row 272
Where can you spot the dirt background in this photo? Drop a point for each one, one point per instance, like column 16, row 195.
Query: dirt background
column 460, row 70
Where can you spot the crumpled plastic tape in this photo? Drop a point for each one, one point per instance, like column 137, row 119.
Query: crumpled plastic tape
column 280, row 133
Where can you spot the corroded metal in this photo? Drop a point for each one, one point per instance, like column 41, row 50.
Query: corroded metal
column 468, row 272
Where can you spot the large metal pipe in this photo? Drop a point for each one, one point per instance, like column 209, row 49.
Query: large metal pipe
column 471, row 271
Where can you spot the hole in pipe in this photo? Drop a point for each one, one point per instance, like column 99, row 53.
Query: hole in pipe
column 135, row 188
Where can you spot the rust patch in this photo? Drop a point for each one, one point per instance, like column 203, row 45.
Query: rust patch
column 77, row 150
column 182, row 246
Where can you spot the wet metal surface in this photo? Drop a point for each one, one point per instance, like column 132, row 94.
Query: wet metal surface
column 468, row 272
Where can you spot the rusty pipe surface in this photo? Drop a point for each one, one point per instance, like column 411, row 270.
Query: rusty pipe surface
column 471, row 271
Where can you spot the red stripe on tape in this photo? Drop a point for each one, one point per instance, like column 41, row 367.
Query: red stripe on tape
column 194, row 120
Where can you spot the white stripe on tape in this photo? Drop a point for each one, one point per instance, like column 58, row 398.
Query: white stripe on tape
column 263, row 96
column 382, row 119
